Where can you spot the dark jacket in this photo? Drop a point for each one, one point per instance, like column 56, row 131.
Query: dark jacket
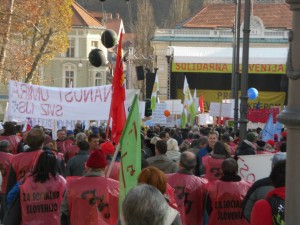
column 163, row 163
column 246, row 148
column 76, row 165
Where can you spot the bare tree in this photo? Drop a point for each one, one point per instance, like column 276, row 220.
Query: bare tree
column 179, row 11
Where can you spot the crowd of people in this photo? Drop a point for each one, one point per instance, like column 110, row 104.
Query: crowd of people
column 189, row 176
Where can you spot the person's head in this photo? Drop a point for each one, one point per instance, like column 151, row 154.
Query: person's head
column 64, row 128
column 252, row 137
column 161, row 147
column 172, row 145
column 144, row 203
column 107, row 148
column 226, row 138
column 96, row 161
column 229, row 167
column 4, row 146
column 102, row 136
column 61, row 134
column 213, row 138
column 9, row 128
column 220, row 149
column 83, row 146
column 203, row 142
column 80, row 137
column 277, row 175
column 93, row 140
column 153, row 176
column 187, row 161
column 35, row 138
column 164, row 135
column 45, row 167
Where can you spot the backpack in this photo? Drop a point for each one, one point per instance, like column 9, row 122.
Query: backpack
column 277, row 205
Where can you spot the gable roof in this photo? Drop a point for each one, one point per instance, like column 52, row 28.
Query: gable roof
column 82, row 18
column 111, row 23
column 221, row 15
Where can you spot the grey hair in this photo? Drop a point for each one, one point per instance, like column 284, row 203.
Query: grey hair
column 144, row 205
column 80, row 137
column 187, row 160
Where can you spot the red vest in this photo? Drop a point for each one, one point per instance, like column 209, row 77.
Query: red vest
column 95, row 199
column 213, row 167
column 63, row 145
column 189, row 196
column 226, row 200
column 13, row 142
column 5, row 161
column 115, row 172
column 71, row 151
column 40, row 202
column 24, row 162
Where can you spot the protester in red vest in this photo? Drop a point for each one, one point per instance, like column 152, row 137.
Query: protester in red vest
column 213, row 161
column 24, row 162
column 5, row 159
column 93, row 197
column 10, row 135
column 225, row 196
column 189, row 190
column 41, row 192
column 73, row 149
column 62, row 142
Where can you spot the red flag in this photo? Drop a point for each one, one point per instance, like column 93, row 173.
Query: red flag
column 201, row 103
column 117, row 109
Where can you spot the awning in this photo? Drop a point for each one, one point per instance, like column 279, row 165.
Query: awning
column 224, row 55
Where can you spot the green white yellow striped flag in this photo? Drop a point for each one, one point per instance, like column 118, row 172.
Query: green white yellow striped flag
column 188, row 103
column 154, row 93
column 130, row 151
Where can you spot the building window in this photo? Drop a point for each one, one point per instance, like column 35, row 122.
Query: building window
column 98, row 79
column 71, row 50
column 94, row 44
column 69, row 75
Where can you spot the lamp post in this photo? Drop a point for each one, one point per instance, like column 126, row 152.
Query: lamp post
column 244, row 80
column 290, row 117
column 236, row 70
column 169, row 61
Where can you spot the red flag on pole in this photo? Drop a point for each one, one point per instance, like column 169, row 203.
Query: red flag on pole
column 117, row 109
column 201, row 103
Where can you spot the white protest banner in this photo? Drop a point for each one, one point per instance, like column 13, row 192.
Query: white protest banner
column 33, row 101
column 254, row 167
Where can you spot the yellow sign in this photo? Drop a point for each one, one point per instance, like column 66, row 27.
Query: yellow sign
column 266, row 100
column 227, row 68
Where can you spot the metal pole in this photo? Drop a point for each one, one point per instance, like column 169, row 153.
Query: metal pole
column 233, row 58
column 244, row 80
column 237, row 66
column 290, row 117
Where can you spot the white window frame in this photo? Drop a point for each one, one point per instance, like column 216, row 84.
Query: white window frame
column 71, row 51
column 98, row 77
column 68, row 69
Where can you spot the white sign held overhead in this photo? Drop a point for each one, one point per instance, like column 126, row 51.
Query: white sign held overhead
column 158, row 116
column 174, row 106
column 221, row 109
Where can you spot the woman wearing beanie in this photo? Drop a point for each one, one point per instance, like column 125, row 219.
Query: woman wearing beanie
column 92, row 196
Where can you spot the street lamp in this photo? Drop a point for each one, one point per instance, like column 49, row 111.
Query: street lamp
column 169, row 61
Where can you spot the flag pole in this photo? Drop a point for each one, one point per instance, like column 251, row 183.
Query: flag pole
column 113, row 161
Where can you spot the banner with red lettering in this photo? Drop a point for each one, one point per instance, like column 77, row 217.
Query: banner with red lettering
column 89, row 103
column 262, row 115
